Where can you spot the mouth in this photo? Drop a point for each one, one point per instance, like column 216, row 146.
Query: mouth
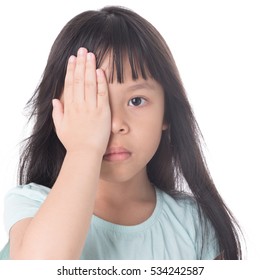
column 116, row 154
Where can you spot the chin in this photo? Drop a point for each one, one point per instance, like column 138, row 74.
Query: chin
column 122, row 175
column 120, row 179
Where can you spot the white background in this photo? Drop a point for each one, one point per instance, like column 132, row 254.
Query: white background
column 217, row 49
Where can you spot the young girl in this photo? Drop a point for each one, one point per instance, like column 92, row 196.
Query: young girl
column 114, row 168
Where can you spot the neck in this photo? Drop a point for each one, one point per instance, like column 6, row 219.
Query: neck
column 127, row 203
column 138, row 188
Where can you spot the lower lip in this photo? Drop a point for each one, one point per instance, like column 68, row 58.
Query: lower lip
column 117, row 156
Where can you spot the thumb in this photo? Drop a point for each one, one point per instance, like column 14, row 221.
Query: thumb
column 57, row 113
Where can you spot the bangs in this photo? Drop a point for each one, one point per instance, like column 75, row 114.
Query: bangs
column 109, row 34
column 118, row 56
column 121, row 43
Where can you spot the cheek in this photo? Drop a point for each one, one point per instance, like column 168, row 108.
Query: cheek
column 149, row 135
column 152, row 123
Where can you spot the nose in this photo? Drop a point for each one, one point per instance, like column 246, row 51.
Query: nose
column 119, row 123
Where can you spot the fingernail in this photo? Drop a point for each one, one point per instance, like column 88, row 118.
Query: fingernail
column 90, row 56
column 54, row 102
column 71, row 59
column 81, row 51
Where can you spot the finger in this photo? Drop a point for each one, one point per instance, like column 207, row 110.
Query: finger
column 68, row 84
column 102, row 88
column 79, row 76
column 57, row 112
column 91, row 81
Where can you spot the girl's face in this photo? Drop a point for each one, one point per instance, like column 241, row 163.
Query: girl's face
column 137, row 109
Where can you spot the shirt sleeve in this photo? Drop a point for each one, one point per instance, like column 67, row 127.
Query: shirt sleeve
column 23, row 202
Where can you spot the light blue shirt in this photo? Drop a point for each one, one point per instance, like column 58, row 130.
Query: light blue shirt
column 173, row 231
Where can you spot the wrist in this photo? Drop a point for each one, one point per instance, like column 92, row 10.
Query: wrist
column 90, row 154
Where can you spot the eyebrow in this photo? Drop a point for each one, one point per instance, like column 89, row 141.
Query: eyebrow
column 141, row 85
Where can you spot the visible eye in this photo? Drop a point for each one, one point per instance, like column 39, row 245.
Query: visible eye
column 137, row 101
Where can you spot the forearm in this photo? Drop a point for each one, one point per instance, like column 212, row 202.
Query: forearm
column 59, row 229
column 82, row 123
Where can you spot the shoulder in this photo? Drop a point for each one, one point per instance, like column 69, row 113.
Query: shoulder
column 182, row 205
column 32, row 191
column 22, row 202
column 186, row 210
column 182, row 214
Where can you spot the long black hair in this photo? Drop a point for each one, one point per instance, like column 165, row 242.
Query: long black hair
column 179, row 158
